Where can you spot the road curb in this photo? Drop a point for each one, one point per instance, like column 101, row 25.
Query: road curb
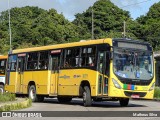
column 15, row 105
column 155, row 99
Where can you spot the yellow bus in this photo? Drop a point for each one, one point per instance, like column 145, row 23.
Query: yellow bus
column 96, row 70
column 3, row 60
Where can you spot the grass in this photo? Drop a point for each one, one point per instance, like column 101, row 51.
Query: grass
column 7, row 97
column 8, row 106
column 157, row 92
column 16, row 106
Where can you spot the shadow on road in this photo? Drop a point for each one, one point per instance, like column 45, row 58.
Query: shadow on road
column 108, row 104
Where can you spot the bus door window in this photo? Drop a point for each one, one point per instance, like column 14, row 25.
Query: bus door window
column 11, row 67
column 100, row 69
column 55, row 61
column 107, row 64
column 103, row 68
column 21, row 64
column 54, row 67
column 12, row 64
column 101, row 58
column 20, row 67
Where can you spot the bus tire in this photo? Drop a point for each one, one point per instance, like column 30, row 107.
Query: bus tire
column 32, row 93
column 64, row 99
column 87, row 100
column 1, row 89
column 124, row 102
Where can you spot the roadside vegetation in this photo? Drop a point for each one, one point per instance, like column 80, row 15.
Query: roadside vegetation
column 7, row 97
column 9, row 102
column 157, row 93
column 17, row 105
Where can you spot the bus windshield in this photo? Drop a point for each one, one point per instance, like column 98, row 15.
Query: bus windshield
column 133, row 64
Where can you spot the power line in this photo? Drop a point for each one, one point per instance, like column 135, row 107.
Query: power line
column 135, row 3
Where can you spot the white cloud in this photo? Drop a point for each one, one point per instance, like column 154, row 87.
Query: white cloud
column 70, row 7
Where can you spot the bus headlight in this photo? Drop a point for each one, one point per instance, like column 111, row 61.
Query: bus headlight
column 116, row 84
column 152, row 87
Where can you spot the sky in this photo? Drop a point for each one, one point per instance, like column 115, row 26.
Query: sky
column 70, row 7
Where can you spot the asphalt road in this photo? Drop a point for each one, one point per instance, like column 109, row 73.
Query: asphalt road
column 51, row 104
column 135, row 106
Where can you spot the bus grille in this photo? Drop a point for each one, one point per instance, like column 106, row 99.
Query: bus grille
column 129, row 94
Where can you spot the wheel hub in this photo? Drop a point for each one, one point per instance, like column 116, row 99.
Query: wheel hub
column 32, row 94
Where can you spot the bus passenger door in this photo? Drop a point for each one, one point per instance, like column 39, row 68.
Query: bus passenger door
column 103, row 68
column 55, row 62
column 19, row 84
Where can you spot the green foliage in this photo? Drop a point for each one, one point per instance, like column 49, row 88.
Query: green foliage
column 33, row 26
column 108, row 21
column 7, row 97
column 150, row 26
column 157, row 92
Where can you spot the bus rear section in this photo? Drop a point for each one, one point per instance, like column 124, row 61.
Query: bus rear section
column 3, row 60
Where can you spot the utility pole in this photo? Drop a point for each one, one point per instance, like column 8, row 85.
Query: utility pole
column 92, row 24
column 10, row 32
column 124, row 29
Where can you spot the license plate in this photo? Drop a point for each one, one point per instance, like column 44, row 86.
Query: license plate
column 134, row 96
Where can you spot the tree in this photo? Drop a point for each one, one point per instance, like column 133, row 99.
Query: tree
column 108, row 21
column 150, row 26
column 33, row 26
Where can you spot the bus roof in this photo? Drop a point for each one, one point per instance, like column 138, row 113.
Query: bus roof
column 65, row 45
column 130, row 40
column 3, row 57
column 74, row 44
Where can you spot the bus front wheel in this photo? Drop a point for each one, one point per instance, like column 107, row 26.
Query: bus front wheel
column 124, row 102
column 1, row 89
column 87, row 100
column 32, row 93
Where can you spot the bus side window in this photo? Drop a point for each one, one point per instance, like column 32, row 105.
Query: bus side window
column 32, row 62
column 88, row 56
column 77, row 56
column 67, row 58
